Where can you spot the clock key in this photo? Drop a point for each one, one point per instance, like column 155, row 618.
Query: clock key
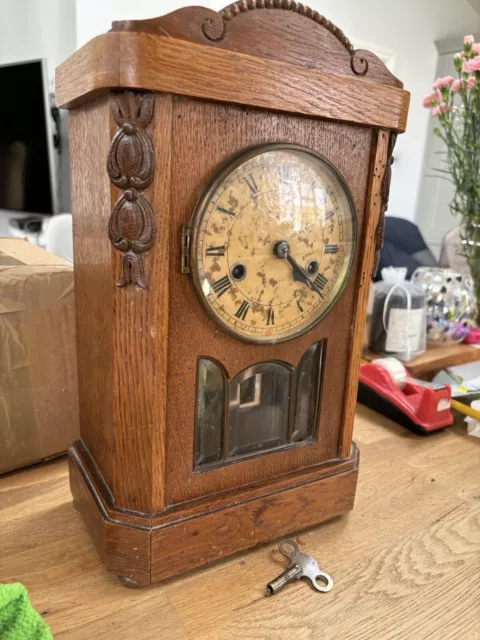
column 302, row 565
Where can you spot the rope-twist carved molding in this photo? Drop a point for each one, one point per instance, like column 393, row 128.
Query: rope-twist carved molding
column 217, row 32
column 131, row 166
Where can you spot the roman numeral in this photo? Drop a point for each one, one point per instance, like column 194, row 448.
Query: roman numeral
column 221, row 285
column 321, row 281
column 331, row 248
column 215, row 251
column 270, row 316
column 299, row 307
column 329, row 214
column 252, row 185
column 242, row 310
column 227, row 211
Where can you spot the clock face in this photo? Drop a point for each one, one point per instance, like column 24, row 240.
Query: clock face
column 273, row 243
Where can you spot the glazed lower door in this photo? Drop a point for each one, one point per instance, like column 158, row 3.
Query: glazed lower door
column 266, row 407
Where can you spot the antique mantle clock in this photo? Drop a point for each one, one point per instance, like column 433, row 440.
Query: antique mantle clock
column 230, row 175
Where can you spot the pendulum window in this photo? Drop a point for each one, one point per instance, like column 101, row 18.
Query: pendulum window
column 265, row 407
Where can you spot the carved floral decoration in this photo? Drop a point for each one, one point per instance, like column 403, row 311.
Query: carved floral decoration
column 131, row 166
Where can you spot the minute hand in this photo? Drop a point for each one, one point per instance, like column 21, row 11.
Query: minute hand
column 300, row 275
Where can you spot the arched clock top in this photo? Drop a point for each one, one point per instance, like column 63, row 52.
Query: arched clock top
column 244, row 6
column 283, row 30
column 277, row 56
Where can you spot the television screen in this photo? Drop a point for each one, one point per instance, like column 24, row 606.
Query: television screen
column 25, row 143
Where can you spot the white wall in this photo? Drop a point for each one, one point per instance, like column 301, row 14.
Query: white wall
column 408, row 28
column 37, row 29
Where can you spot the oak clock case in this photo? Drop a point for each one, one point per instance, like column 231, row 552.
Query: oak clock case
column 217, row 407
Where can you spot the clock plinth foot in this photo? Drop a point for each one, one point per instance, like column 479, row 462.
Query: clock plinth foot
column 141, row 550
column 128, row 582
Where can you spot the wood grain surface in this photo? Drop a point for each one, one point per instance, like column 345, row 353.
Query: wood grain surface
column 184, row 68
column 379, row 159
column 307, row 38
column 128, row 323
column 140, row 327
column 204, row 504
column 90, row 129
column 139, row 345
column 431, row 361
column 214, row 535
column 204, row 135
column 126, row 552
column 405, row 562
column 143, row 550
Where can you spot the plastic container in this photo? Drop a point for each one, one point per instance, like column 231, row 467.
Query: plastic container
column 398, row 326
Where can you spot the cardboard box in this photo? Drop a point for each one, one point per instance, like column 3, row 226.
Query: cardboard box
column 38, row 366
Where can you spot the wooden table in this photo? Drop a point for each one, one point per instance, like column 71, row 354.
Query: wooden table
column 405, row 562
column 428, row 363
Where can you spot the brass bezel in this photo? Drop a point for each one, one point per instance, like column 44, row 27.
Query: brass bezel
column 202, row 204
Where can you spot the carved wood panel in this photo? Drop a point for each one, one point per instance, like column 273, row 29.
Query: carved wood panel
column 358, row 64
column 131, row 166
column 204, row 136
column 385, row 194
column 255, row 26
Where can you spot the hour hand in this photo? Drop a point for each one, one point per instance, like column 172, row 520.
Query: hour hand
column 300, row 275
column 282, row 250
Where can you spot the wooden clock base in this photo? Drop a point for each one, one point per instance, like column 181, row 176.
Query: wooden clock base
column 142, row 549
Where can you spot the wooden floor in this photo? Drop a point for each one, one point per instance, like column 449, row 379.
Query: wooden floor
column 405, row 562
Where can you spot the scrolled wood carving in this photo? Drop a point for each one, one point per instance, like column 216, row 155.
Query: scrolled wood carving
column 131, row 167
column 384, row 198
column 358, row 64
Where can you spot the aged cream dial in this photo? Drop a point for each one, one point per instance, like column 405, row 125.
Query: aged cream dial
column 273, row 243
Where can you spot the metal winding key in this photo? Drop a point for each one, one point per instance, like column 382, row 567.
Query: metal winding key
column 302, row 565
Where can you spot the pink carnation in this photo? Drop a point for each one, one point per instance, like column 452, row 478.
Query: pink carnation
column 468, row 40
column 429, row 99
column 443, row 82
column 471, row 82
column 456, row 86
column 457, row 56
column 471, row 65
column 441, row 108
column 476, row 47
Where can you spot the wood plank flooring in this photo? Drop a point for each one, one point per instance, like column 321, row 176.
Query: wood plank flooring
column 405, row 562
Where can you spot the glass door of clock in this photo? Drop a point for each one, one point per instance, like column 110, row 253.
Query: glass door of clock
column 265, row 407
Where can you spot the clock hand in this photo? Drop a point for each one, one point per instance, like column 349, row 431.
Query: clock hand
column 299, row 274
column 282, row 250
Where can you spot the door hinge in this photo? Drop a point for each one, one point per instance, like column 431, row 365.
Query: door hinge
column 185, row 249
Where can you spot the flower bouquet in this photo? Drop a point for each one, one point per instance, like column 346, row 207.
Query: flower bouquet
column 456, row 104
